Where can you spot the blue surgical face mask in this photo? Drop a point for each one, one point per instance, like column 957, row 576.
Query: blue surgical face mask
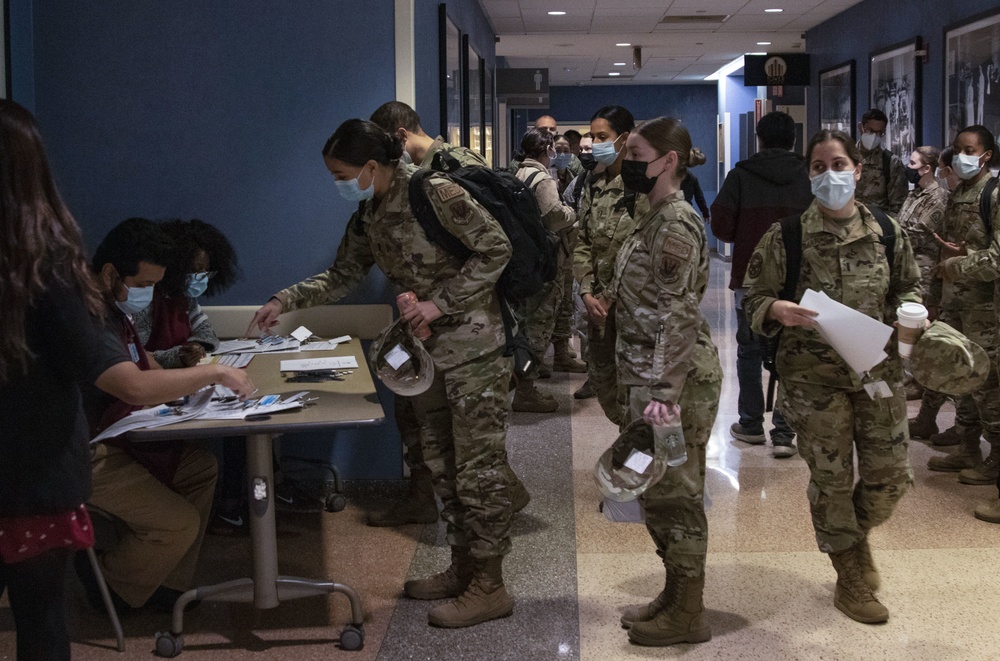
column 966, row 166
column 833, row 189
column 561, row 161
column 605, row 152
column 197, row 283
column 138, row 299
column 351, row 190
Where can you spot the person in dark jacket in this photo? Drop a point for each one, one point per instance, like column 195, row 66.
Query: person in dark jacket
column 759, row 191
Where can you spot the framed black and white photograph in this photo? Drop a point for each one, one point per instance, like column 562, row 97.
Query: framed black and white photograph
column 894, row 86
column 971, row 74
column 451, row 75
column 836, row 98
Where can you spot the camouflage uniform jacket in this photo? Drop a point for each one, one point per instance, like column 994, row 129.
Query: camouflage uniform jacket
column 982, row 265
column 386, row 233
column 463, row 155
column 556, row 215
column 921, row 217
column 604, row 224
column 874, row 189
column 962, row 223
column 660, row 278
column 848, row 263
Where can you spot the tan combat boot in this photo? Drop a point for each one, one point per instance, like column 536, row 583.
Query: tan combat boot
column 419, row 505
column 683, row 622
column 528, row 399
column 647, row 612
column 985, row 472
column 924, row 425
column 852, row 596
column 450, row 583
column 954, row 435
column 989, row 511
column 968, row 456
column 485, row 599
column 564, row 360
column 866, row 563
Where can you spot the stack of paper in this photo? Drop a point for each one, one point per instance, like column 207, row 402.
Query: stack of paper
column 858, row 338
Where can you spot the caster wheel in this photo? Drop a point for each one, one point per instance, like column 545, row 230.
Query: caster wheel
column 352, row 638
column 168, row 645
column 335, row 502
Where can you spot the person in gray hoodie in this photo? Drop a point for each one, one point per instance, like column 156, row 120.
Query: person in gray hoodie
column 759, row 191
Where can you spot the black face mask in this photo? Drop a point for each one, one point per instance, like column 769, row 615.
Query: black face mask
column 634, row 176
column 912, row 176
column 588, row 161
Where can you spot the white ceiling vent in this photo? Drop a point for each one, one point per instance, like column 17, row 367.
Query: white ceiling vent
column 697, row 19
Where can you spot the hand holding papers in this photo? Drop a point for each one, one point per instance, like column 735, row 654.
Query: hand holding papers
column 858, row 338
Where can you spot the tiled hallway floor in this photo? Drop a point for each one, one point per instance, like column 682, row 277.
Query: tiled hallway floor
column 769, row 591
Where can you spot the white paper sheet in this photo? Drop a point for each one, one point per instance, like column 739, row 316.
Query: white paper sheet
column 229, row 346
column 159, row 416
column 327, row 345
column 858, row 338
column 310, row 364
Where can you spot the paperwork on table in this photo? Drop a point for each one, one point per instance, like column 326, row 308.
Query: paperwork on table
column 206, row 404
column 858, row 338
column 315, row 364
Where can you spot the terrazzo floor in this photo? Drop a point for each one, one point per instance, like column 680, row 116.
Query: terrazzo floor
column 769, row 592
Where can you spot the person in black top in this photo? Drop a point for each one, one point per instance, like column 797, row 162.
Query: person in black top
column 49, row 346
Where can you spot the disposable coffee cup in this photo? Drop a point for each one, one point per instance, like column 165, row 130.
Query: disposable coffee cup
column 912, row 318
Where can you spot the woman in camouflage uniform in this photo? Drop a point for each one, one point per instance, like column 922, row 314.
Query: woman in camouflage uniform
column 822, row 398
column 606, row 218
column 665, row 358
column 463, row 416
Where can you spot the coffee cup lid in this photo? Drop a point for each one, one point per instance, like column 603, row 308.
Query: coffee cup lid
column 914, row 310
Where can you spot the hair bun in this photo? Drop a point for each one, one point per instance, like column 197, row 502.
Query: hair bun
column 394, row 147
column 696, row 157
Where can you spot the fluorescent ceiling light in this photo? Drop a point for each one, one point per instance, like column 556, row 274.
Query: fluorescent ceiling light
column 557, row 13
column 755, row 53
column 619, row 64
column 623, row 44
column 773, row 11
column 726, row 69
column 763, row 43
column 614, row 73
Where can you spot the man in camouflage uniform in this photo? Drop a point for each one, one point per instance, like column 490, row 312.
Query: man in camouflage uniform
column 984, row 266
column 882, row 186
column 464, row 413
column 665, row 353
column 966, row 304
column 823, row 399
column 607, row 217
column 397, row 118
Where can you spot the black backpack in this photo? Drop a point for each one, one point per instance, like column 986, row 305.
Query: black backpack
column 533, row 261
column 986, row 205
column 791, row 236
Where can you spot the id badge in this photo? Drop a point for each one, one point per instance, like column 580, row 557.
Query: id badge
column 133, row 352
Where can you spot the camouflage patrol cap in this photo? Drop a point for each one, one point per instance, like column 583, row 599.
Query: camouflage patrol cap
column 631, row 465
column 400, row 360
column 945, row 360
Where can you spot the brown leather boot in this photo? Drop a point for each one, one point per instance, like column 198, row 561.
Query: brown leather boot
column 954, row 435
column 648, row 611
column 564, row 360
column 924, row 425
column 419, row 505
column 528, row 399
column 683, row 622
column 968, row 456
column 852, row 595
column 985, row 472
column 485, row 599
column 450, row 583
column 866, row 563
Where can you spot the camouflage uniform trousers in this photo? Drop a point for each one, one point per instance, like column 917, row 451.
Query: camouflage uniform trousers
column 563, row 330
column 602, row 367
column 831, row 424
column 675, row 506
column 543, row 309
column 982, row 407
column 409, row 432
column 463, row 438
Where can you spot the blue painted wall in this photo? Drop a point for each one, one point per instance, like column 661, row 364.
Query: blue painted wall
column 218, row 110
column 695, row 105
column 875, row 24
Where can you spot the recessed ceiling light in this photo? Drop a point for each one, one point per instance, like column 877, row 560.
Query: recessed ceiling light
column 763, row 43
column 774, row 11
column 557, row 13
column 623, row 44
column 619, row 64
column 755, row 53
column 614, row 73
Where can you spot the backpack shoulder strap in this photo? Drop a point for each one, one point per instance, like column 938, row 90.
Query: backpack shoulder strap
column 986, row 205
column 531, row 179
column 425, row 214
column 888, row 234
column 886, row 165
column 791, row 236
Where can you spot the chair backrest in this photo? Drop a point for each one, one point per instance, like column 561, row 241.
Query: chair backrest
column 362, row 321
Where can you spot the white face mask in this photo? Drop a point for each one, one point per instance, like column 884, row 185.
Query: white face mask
column 870, row 141
column 966, row 166
column 833, row 189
